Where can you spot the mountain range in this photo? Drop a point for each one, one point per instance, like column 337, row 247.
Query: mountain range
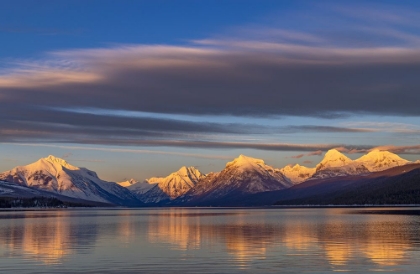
column 337, row 179
column 165, row 189
column 58, row 178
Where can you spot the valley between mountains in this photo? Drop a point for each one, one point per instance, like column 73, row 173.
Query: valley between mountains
column 379, row 177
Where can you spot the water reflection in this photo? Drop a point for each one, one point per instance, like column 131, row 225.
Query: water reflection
column 185, row 231
column 178, row 228
column 47, row 241
column 386, row 243
column 343, row 242
column 126, row 229
column 337, row 254
column 45, row 237
column 383, row 242
column 247, row 239
column 247, row 243
column 297, row 236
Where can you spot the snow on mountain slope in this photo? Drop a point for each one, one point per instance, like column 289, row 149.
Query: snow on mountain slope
column 336, row 164
column 170, row 187
column 244, row 163
column 347, row 170
column 377, row 160
column 141, row 187
column 243, row 176
column 333, row 158
column 297, row 173
column 55, row 175
column 127, row 183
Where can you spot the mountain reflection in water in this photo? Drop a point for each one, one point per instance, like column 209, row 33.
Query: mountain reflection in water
column 207, row 240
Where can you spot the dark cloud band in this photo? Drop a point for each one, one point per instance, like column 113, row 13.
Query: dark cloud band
column 304, row 74
column 241, row 82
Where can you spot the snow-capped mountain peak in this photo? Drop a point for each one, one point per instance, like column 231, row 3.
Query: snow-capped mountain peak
column 242, row 176
column 158, row 189
column 138, row 188
column 297, row 173
column 51, row 166
column 184, row 170
column 333, row 158
column 377, row 160
column 244, row 162
column 58, row 161
column 55, row 175
column 188, row 172
column 336, row 164
column 127, row 183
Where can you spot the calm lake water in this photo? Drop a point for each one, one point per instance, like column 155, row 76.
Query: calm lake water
column 180, row 240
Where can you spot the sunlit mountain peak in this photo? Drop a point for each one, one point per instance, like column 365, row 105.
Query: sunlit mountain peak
column 245, row 162
column 297, row 173
column 51, row 159
column 127, row 183
column 333, row 158
column 378, row 160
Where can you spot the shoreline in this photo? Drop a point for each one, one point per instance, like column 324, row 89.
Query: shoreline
column 209, row 207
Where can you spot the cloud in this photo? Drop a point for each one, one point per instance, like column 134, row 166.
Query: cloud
column 312, row 153
column 197, row 144
column 274, row 72
column 312, row 149
column 26, row 118
column 297, row 156
column 26, row 124
column 122, row 150
column 414, row 149
column 383, row 127
column 214, row 144
column 315, row 153
column 410, row 149
column 322, row 129
column 250, row 78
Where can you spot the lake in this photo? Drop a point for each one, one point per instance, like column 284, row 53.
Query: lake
column 209, row 240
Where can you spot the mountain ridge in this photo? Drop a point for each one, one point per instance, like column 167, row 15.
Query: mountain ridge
column 168, row 188
column 241, row 177
column 55, row 175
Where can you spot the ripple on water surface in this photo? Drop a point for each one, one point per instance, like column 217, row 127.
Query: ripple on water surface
column 205, row 240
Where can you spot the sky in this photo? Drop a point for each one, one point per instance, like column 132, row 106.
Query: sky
column 135, row 89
